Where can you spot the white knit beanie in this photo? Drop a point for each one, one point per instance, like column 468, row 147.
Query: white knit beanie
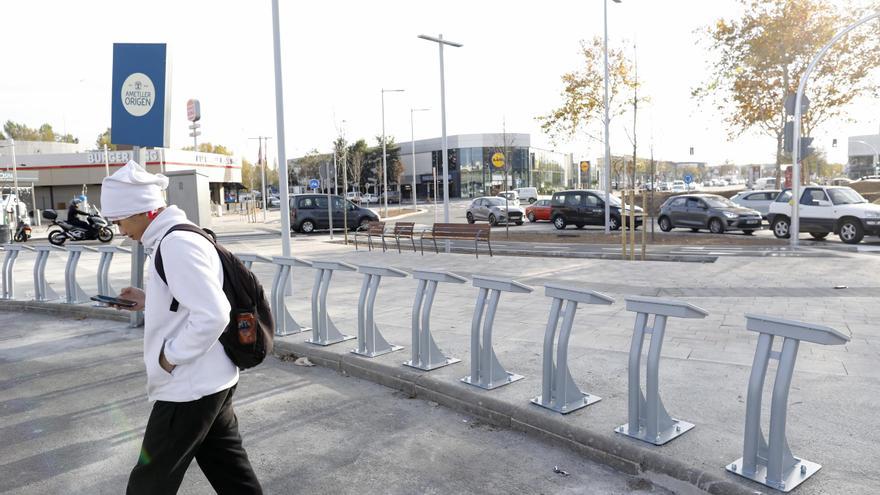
column 132, row 190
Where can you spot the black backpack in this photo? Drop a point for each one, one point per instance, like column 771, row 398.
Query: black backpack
column 248, row 337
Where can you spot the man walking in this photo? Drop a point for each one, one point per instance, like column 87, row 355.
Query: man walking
column 189, row 376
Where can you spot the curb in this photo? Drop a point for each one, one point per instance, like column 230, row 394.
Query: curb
column 618, row 453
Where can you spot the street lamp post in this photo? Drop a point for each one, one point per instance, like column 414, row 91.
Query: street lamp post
column 279, row 121
column 607, row 123
column 384, row 165
column 440, row 42
column 412, row 133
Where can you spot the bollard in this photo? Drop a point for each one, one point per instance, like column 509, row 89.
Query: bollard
column 647, row 417
column 774, row 465
column 107, row 253
column 7, row 289
column 324, row 331
column 486, row 371
column 248, row 259
column 42, row 290
column 558, row 390
column 425, row 353
column 370, row 340
column 284, row 322
column 73, row 292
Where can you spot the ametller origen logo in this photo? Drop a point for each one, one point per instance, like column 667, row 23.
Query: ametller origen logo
column 138, row 94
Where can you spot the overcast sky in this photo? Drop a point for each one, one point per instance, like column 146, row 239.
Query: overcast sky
column 337, row 55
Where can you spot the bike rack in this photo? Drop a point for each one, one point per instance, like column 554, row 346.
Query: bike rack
column 248, row 259
column 775, row 466
column 7, row 289
column 558, row 391
column 486, row 371
column 284, row 322
column 426, row 355
column 324, row 331
column 73, row 292
column 647, row 417
column 370, row 340
column 42, row 290
column 107, row 253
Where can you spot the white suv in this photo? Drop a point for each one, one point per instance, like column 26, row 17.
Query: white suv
column 824, row 210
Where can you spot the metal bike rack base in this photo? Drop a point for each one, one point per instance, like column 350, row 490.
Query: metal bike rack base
column 370, row 340
column 107, row 253
column 7, row 282
column 73, row 292
column 558, row 390
column 284, row 322
column 324, row 331
column 647, row 418
column 43, row 292
column 486, row 372
column 426, row 356
column 774, row 465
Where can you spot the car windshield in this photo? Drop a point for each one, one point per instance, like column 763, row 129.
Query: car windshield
column 718, row 201
column 845, row 196
column 494, row 201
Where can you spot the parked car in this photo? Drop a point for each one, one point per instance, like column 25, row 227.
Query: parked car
column 527, row 194
column 764, row 183
column 840, row 181
column 539, row 210
column 756, row 200
column 587, row 207
column 679, row 186
column 824, row 210
column 308, row 213
column 664, row 186
column 273, row 202
column 353, row 196
column 369, row 198
column 492, row 209
column 707, row 211
column 393, row 197
column 511, row 196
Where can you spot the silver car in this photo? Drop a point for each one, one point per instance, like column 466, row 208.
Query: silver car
column 756, row 200
column 492, row 209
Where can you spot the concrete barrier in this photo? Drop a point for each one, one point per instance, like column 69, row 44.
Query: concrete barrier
column 426, row 355
column 370, row 340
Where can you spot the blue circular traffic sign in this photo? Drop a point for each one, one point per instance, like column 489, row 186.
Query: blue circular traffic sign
column 313, row 184
column 688, row 179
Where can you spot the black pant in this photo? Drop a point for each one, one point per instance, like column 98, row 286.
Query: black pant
column 206, row 429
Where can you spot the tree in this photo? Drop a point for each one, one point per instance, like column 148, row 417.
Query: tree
column 211, row 148
column 356, row 155
column 247, row 174
column 760, row 57
column 104, row 138
column 22, row 132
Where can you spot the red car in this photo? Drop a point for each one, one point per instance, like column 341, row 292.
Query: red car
column 539, row 210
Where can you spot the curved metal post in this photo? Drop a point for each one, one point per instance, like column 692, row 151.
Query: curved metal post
column 73, row 292
column 647, row 419
column 42, row 290
column 370, row 340
column 774, row 465
column 285, row 324
column 324, row 331
column 8, row 278
column 486, row 370
column 107, row 252
column 426, row 355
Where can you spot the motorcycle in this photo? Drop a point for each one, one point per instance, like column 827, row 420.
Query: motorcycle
column 23, row 233
column 100, row 229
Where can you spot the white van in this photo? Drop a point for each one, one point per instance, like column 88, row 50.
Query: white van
column 527, row 194
column 765, row 183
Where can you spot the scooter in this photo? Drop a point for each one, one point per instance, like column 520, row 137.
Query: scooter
column 23, row 233
column 100, row 229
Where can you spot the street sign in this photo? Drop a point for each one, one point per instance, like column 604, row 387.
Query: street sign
column 139, row 107
column 585, row 166
column 688, row 179
column 498, row 160
column 313, row 184
column 790, row 100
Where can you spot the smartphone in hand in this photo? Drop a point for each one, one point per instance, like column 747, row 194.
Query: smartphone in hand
column 114, row 301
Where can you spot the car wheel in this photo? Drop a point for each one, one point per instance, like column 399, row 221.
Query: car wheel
column 531, row 217
column 748, row 232
column 559, row 222
column 851, row 231
column 470, row 217
column 492, row 220
column 57, row 238
column 307, row 227
column 105, row 234
column 819, row 235
column 665, row 224
column 614, row 223
column 715, row 226
column 781, row 227
column 520, row 222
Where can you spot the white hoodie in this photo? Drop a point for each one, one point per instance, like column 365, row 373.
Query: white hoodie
column 195, row 279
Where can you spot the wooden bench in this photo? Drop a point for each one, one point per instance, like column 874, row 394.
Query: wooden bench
column 458, row 231
column 376, row 229
column 403, row 230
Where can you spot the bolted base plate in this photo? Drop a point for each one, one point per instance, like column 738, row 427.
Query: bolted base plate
column 678, row 429
column 584, row 401
column 433, row 366
column 377, row 353
column 798, row 474
column 331, row 342
column 286, row 333
column 511, row 377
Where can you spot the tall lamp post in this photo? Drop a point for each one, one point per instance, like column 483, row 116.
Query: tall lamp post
column 384, row 165
column 607, row 142
column 440, row 42
column 412, row 133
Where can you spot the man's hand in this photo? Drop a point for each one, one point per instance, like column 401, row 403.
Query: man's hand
column 164, row 362
column 133, row 294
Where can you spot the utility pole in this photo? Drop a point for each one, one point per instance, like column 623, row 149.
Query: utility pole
column 262, row 161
